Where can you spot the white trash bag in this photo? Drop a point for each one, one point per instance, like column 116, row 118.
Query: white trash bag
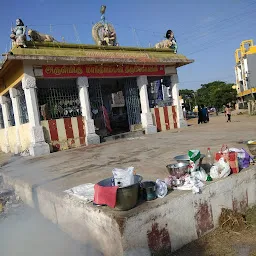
column 123, row 177
column 161, row 188
column 221, row 169
column 214, row 171
column 200, row 174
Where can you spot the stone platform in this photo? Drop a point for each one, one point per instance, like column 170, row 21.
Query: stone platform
column 162, row 225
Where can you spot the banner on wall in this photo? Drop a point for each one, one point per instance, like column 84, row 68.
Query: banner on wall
column 101, row 70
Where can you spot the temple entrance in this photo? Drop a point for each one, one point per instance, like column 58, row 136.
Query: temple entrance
column 115, row 105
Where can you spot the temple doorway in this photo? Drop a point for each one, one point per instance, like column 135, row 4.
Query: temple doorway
column 115, row 105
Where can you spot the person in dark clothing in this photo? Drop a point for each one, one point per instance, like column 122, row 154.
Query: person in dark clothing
column 200, row 115
column 205, row 117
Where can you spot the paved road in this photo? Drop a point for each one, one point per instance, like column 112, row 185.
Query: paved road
column 26, row 233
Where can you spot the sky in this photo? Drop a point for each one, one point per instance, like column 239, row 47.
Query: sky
column 208, row 32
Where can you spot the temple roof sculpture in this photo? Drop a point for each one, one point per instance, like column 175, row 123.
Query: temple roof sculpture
column 18, row 34
column 42, row 47
column 169, row 42
column 103, row 33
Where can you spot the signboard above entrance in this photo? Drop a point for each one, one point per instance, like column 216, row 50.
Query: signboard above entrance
column 101, row 70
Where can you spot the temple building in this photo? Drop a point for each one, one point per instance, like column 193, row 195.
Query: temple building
column 55, row 96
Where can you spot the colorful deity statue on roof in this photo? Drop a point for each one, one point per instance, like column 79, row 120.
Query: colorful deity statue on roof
column 18, row 35
column 169, row 42
column 103, row 32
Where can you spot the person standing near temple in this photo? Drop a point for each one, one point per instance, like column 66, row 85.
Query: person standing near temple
column 200, row 115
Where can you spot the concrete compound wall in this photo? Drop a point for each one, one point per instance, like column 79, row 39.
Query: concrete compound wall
column 24, row 132
column 60, row 134
column 12, row 138
column 165, row 118
column 24, row 136
column 64, row 133
column 2, row 138
column 163, row 225
column 188, row 217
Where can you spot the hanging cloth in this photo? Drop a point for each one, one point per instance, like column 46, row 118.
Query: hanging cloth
column 106, row 119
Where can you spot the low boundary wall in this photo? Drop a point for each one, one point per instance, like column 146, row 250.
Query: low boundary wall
column 64, row 133
column 165, row 118
column 163, row 225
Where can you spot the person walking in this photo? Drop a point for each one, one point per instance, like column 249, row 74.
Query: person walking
column 228, row 113
column 200, row 115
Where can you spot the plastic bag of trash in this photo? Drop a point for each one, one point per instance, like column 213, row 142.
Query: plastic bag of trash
column 193, row 166
column 220, row 169
column 244, row 158
column 200, row 174
column 123, row 177
column 194, row 155
column 192, row 183
column 161, row 188
column 83, row 191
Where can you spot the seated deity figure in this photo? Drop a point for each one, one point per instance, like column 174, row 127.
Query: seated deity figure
column 109, row 37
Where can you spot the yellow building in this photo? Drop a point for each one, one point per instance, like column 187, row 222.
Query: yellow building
column 245, row 70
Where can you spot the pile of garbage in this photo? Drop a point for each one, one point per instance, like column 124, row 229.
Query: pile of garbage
column 126, row 188
column 189, row 174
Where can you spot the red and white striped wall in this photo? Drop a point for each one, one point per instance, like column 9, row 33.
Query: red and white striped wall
column 64, row 133
column 165, row 118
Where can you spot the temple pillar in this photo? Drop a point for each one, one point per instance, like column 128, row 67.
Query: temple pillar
column 38, row 145
column 146, row 115
column 176, row 101
column 6, row 114
column 90, row 136
column 14, row 94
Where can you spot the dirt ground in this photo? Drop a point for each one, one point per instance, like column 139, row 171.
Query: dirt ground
column 223, row 243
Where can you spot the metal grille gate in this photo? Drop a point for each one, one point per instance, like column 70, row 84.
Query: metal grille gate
column 11, row 114
column 1, row 118
column 96, row 100
column 22, row 106
column 60, row 96
column 132, row 100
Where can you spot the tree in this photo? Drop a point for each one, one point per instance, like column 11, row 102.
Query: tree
column 189, row 98
column 216, row 94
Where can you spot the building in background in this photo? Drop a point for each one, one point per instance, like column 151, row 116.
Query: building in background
column 245, row 70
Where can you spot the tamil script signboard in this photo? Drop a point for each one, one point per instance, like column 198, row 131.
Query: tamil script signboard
column 55, row 71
